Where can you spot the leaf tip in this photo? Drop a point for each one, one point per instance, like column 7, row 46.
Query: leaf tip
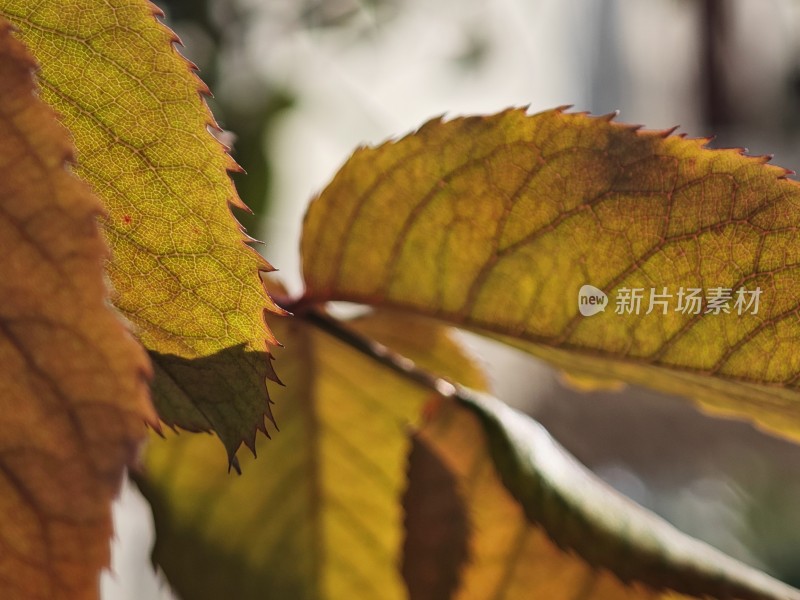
column 608, row 117
column 155, row 10
column 665, row 133
column 233, row 463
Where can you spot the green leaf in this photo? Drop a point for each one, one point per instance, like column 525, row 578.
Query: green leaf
column 319, row 515
column 495, row 223
column 73, row 381
column 180, row 270
column 545, row 527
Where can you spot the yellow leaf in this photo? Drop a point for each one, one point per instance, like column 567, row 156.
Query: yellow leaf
column 319, row 515
column 544, row 527
column 180, row 269
column 73, row 381
column 496, row 224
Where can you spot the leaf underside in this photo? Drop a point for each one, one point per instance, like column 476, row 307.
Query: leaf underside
column 495, row 223
column 73, row 381
column 545, row 527
column 319, row 514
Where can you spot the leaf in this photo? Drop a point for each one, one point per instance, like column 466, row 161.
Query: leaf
column 180, row 269
column 319, row 516
column 436, row 526
column 544, row 527
column 495, row 223
column 73, row 381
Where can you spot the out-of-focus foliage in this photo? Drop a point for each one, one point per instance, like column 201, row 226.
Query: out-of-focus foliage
column 73, row 382
column 318, row 513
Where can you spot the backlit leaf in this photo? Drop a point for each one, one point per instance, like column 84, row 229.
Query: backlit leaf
column 73, row 381
column 180, row 269
column 495, row 223
column 544, row 527
column 319, row 516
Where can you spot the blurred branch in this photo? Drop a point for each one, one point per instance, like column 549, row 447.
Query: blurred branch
column 714, row 30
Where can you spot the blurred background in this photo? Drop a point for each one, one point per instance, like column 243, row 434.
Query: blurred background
column 300, row 83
